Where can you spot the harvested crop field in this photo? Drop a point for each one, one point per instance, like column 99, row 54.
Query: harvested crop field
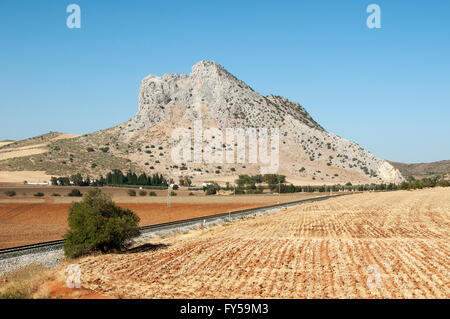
column 30, row 220
column 371, row 245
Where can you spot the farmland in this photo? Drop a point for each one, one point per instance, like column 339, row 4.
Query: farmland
column 371, row 245
column 26, row 219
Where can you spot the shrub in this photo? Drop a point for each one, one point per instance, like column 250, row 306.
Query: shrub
column 55, row 194
column 172, row 193
column 210, row 189
column 90, row 149
column 39, row 194
column 97, row 224
column 10, row 193
column 191, row 194
column 94, row 165
column 75, row 193
column 131, row 192
column 152, row 194
column 142, row 193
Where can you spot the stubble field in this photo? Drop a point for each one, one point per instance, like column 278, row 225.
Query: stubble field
column 371, row 245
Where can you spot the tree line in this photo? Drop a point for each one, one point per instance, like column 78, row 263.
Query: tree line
column 114, row 178
column 246, row 184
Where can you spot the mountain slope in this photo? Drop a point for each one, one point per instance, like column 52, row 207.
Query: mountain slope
column 418, row 170
column 215, row 98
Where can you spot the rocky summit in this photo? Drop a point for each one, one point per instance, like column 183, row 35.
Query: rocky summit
column 217, row 98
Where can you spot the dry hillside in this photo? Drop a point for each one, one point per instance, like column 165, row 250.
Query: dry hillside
column 420, row 170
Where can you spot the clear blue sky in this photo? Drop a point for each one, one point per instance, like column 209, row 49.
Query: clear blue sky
column 387, row 89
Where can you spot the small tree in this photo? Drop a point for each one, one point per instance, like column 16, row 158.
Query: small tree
column 10, row 193
column 131, row 192
column 54, row 180
column 97, row 224
column 211, row 189
column 75, row 193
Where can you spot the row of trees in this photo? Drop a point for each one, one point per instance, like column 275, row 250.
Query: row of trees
column 116, row 177
column 418, row 184
column 249, row 182
column 246, row 184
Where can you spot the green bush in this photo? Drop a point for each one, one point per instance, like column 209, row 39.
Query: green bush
column 211, row 189
column 10, row 193
column 97, row 224
column 75, row 193
column 191, row 194
column 142, row 193
column 39, row 194
column 172, row 193
column 152, row 194
column 55, row 194
column 131, row 192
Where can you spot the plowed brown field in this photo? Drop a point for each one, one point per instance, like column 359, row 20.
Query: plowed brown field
column 372, row 245
column 29, row 220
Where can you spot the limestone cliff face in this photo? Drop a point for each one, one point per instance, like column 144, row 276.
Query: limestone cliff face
column 213, row 95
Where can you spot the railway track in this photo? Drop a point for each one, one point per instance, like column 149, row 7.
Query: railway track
column 58, row 244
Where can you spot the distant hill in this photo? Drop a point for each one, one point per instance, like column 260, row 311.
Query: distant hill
column 5, row 142
column 420, row 170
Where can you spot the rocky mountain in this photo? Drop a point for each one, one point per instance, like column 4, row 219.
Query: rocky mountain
column 215, row 98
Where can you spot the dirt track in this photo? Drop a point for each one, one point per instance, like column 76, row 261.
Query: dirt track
column 392, row 245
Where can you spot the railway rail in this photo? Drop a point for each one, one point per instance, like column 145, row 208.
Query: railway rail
column 58, row 244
